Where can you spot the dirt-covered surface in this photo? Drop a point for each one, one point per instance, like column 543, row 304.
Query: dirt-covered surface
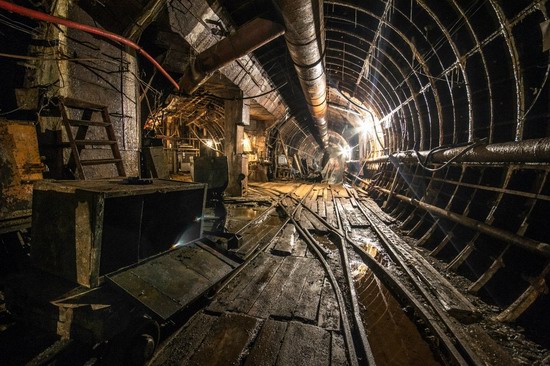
column 510, row 337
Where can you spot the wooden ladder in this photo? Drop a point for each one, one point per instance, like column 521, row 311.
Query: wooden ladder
column 78, row 142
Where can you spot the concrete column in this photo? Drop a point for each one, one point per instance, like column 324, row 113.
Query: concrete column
column 236, row 115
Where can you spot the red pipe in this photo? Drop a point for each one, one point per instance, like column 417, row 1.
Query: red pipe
column 85, row 28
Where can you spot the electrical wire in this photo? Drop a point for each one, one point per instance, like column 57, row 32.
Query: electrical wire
column 244, row 98
column 88, row 29
column 35, row 58
column 543, row 84
column 468, row 146
column 382, row 145
column 12, row 111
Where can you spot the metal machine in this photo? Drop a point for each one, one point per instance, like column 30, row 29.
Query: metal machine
column 112, row 260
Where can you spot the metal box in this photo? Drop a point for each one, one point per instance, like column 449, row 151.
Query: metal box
column 84, row 230
column 20, row 166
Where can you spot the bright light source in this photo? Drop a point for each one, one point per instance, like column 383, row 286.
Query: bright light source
column 209, row 143
column 365, row 127
column 345, row 151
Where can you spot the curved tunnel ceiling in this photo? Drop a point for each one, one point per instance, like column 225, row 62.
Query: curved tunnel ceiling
column 435, row 72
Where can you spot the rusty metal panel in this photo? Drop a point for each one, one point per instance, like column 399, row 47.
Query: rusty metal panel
column 20, row 166
column 170, row 282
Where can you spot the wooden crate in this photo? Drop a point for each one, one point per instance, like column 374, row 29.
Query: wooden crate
column 83, row 230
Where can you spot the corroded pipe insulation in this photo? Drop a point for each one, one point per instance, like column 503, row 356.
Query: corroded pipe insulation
column 305, row 41
column 526, row 151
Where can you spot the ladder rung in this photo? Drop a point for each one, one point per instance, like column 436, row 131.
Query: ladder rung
column 94, row 142
column 81, row 104
column 100, row 161
column 80, row 122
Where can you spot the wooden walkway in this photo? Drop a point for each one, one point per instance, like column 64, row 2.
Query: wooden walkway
column 280, row 310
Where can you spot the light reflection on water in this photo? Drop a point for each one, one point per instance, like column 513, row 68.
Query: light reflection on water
column 394, row 338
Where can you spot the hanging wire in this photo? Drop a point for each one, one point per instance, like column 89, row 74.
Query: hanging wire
column 382, row 145
column 541, row 88
column 244, row 98
column 468, row 146
column 9, row 112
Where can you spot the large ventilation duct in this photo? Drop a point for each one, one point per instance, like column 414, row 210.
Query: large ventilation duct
column 246, row 39
column 304, row 37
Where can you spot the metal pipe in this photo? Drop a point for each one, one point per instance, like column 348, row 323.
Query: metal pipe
column 305, row 41
column 88, row 29
column 526, row 151
column 506, row 236
column 246, row 39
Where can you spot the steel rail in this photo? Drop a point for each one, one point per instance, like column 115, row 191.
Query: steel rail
column 468, row 355
column 320, row 253
column 406, row 296
column 314, row 246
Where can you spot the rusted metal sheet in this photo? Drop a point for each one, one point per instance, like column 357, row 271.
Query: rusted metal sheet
column 171, row 282
column 20, row 166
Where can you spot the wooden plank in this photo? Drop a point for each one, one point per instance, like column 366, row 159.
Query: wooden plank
column 308, row 304
column 371, row 205
column 319, row 227
column 286, row 242
column 225, row 342
column 165, row 282
column 186, row 342
column 302, row 190
column 331, row 214
column 234, row 288
column 339, row 191
column 260, row 308
column 305, row 345
column 256, row 286
column 285, row 305
column 204, row 262
column 329, row 312
column 267, row 345
column 353, row 215
column 300, row 248
column 322, row 209
column 338, row 350
column 454, row 303
column 263, row 235
column 313, row 205
column 304, row 221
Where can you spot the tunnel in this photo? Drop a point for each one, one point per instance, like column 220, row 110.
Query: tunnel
column 386, row 154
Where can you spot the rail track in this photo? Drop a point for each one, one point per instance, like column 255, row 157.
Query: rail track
column 387, row 298
column 408, row 278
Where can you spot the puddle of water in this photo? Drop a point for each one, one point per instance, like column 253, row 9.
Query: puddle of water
column 244, row 213
column 368, row 241
column 325, row 242
column 393, row 337
column 239, row 216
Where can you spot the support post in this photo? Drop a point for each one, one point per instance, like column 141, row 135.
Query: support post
column 235, row 114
